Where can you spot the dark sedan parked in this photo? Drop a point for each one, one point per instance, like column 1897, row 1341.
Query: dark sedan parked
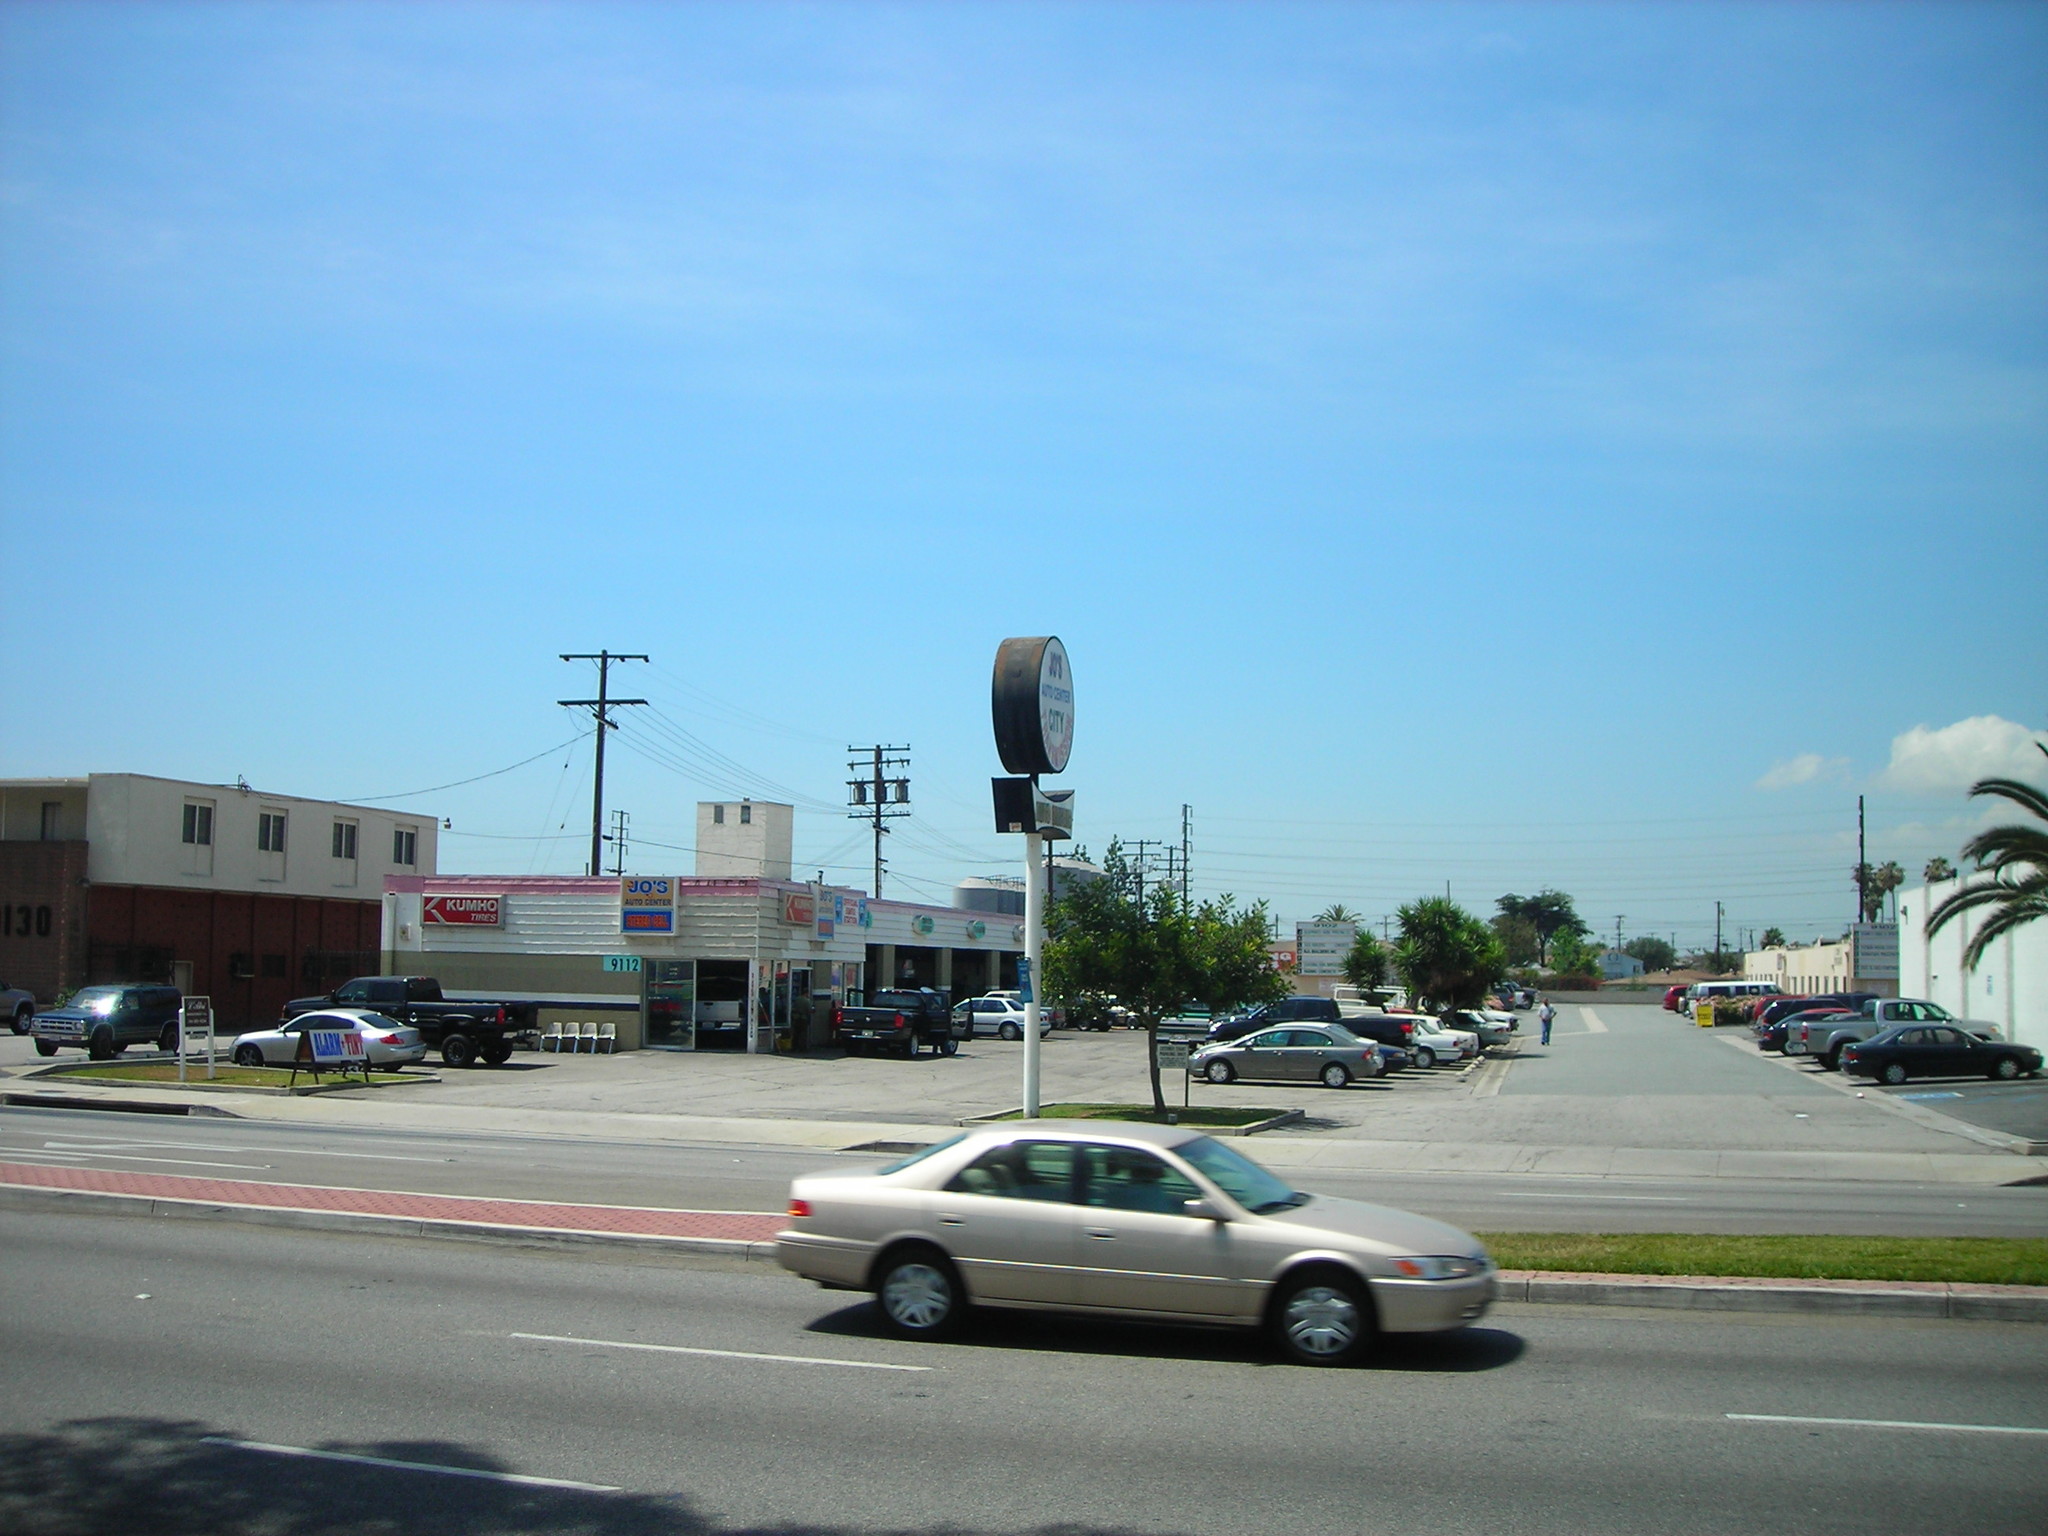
column 1936, row 1050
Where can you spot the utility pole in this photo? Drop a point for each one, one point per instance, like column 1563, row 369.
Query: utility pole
column 1717, row 936
column 1139, row 864
column 599, row 708
column 1187, row 845
column 1862, row 865
column 880, row 795
column 617, row 838
column 1617, row 929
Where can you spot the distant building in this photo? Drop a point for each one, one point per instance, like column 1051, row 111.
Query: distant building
column 1004, row 894
column 1615, row 965
column 223, row 890
column 1866, row 959
column 744, row 839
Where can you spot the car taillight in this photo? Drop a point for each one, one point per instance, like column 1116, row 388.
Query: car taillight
column 387, row 1039
column 899, row 1021
column 1407, row 1031
column 501, row 1016
column 838, row 1017
column 799, row 1209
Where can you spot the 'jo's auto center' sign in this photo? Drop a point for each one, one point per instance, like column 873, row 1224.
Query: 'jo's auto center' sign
column 462, row 911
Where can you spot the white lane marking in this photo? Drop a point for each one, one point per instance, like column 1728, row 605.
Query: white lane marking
column 182, row 1162
column 723, row 1354
column 1954, row 1429
column 1533, row 1194
column 409, row 1466
column 1595, row 1025
column 204, row 1146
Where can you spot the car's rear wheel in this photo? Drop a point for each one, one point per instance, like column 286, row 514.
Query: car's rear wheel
column 458, row 1051
column 248, row 1056
column 918, row 1293
column 23, row 1016
column 1220, row 1072
column 1425, row 1057
column 949, row 1046
column 2007, row 1069
column 910, row 1049
column 497, row 1052
column 1832, row 1062
column 1322, row 1317
column 1011, row 1032
column 1894, row 1074
column 1335, row 1075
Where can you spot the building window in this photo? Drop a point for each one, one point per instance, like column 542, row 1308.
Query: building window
column 405, row 847
column 53, row 820
column 344, row 840
column 718, row 814
column 270, row 832
column 198, row 824
column 746, row 814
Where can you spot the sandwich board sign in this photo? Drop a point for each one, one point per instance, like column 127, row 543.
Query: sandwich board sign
column 338, row 1050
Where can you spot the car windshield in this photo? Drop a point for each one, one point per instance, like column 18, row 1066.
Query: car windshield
column 1239, row 1177
column 902, row 1163
column 86, row 997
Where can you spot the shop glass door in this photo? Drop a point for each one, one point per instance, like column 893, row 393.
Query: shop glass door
column 672, row 1005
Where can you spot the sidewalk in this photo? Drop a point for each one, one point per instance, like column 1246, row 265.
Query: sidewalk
column 749, row 1235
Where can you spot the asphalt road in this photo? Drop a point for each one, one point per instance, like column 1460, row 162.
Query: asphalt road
column 718, row 1177
column 143, row 1361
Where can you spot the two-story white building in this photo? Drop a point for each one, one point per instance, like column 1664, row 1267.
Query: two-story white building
column 233, row 892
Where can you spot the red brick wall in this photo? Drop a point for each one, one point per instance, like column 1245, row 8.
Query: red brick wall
column 249, row 953
column 42, row 927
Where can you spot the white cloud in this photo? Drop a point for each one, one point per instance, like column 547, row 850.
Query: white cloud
column 1806, row 768
column 1950, row 760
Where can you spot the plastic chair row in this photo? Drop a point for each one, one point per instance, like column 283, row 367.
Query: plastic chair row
column 585, row 1038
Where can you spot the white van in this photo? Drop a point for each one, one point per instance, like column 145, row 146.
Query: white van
column 1704, row 991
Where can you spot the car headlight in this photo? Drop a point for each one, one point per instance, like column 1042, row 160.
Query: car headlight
column 1440, row 1267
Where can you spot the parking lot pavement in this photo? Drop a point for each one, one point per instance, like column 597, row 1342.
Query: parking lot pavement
column 2016, row 1109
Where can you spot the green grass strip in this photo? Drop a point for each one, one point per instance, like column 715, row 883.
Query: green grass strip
column 195, row 1073
column 1962, row 1260
column 1199, row 1114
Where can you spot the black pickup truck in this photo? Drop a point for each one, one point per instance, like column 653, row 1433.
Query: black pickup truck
column 901, row 1021
column 466, row 1031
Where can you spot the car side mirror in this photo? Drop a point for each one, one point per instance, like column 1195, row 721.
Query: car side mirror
column 1202, row 1210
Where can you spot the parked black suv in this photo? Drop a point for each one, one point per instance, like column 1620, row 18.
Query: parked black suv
column 1289, row 1010
column 106, row 1020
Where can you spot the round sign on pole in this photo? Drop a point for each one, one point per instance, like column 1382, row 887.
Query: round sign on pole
column 1032, row 701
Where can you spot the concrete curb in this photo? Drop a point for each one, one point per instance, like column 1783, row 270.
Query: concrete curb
column 29, row 1198
column 1857, row 1298
column 1271, row 1122
column 1690, row 1293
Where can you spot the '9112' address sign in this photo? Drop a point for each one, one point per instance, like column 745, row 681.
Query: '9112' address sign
column 1033, row 704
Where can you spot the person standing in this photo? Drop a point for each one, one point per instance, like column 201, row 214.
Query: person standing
column 1545, row 1014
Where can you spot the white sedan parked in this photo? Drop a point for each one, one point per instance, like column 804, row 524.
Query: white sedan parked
column 1432, row 1042
column 995, row 1015
column 386, row 1042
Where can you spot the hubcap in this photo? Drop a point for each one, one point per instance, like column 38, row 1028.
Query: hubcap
column 1320, row 1320
column 917, row 1296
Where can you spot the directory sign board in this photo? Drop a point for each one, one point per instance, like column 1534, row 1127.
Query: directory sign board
column 647, row 904
column 1321, row 947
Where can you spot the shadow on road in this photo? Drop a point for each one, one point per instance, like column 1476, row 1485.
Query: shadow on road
column 1467, row 1350
column 130, row 1476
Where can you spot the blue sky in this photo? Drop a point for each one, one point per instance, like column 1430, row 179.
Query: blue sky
column 1498, row 445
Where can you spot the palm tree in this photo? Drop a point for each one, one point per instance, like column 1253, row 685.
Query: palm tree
column 2016, row 858
column 1887, row 877
column 1337, row 912
column 1937, row 870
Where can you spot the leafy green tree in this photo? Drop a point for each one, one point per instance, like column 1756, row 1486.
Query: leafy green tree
column 1519, row 939
column 1774, row 938
column 1655, row 954
column 1155, row 953
column 2015, row 856
column 1571, row 955
column 1549, row 912
column 1366, row 964
column 1446, row 955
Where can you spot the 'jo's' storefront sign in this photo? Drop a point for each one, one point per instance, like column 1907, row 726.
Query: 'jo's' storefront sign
column 647, row 904
column 462, row 911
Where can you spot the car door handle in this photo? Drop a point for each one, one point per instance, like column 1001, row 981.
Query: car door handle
column 952, row 1221
column 1101, row 1232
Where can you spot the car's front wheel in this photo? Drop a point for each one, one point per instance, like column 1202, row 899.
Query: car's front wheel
column 46, row 1047
column 919, row 1293
column 248, row 1056
column 1335, row 1075
column 1011, row 1032
column 1894, row 1074
column 1220, row 1071
column 1322, row 1317
column 2006, row 1070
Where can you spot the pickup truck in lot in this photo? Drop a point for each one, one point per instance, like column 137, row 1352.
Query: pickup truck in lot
column 1824, row 1039
column 902, row 1020
column 465, row 1030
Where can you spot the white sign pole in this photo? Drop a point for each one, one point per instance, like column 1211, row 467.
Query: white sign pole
column 1034, row 956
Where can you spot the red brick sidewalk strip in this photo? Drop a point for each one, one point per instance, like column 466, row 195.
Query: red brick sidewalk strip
column 733, row 1226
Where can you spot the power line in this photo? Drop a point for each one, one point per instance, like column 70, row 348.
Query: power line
column 457, row 784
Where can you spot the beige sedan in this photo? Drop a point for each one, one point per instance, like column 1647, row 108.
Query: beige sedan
column 1131, row 1221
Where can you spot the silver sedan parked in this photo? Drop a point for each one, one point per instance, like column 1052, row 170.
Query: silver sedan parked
column 386, row 1042
column 1300, row 1053
column 1132, row 1221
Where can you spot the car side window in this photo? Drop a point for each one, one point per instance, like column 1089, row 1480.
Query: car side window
column 1946, row 1037
column 1127, row 1179
column 1270, row 1040
column 1022, row 1170
column 1912, row 1037
column 354, row 992
column 1314, row 1037
column 1935, row 1012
